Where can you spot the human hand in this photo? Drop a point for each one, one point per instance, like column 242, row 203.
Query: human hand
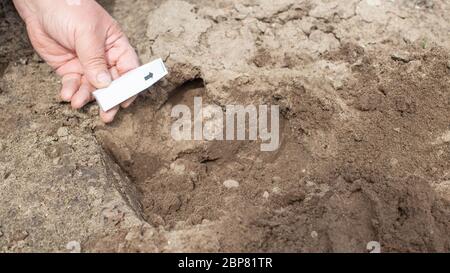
column 84, row 45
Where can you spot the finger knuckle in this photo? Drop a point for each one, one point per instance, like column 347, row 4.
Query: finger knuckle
column 96, row 60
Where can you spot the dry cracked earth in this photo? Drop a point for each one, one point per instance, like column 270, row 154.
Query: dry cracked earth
column 364, row 92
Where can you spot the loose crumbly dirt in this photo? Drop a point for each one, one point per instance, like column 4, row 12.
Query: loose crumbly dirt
column 364, row 92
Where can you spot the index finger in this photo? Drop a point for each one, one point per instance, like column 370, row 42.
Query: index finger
column 123, row 56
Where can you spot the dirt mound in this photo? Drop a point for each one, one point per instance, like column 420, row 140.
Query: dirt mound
column 336, row 183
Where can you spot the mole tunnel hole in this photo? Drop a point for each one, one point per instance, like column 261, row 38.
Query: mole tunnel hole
column 185, row 93
column 165, row 199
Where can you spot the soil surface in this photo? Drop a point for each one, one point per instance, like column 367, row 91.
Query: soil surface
column 364, row 92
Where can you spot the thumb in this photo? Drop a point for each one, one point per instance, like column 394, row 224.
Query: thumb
column 90, row 49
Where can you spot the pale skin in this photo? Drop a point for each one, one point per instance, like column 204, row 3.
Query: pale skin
column 82, row 43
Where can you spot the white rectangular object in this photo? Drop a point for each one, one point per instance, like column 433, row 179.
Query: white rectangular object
column 130, row 84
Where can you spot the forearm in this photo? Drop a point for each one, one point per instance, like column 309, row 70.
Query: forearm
column 24, row 8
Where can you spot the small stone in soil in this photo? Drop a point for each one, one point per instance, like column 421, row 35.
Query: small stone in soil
column 177, row 168
column 56, row 160
column 230, row 184
column 23, row 61
column 73, row 247
column 399, row 56
column 276, row 190
column 276, row 179
column 266, row 195
column 62, row 132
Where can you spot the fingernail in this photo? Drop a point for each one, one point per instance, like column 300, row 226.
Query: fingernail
column 104, row 78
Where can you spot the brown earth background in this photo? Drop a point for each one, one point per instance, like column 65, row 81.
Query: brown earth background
column 364, row 92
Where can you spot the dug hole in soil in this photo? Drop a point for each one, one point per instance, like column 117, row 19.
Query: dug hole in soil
column 364, row 94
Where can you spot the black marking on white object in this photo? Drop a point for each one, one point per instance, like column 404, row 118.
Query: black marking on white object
column 130, row 84
column 149, row 76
